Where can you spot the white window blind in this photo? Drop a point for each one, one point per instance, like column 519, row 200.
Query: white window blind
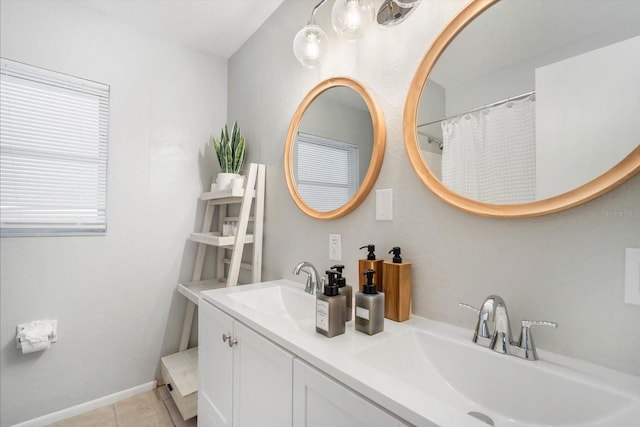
column 327, row 171
column 53, row 152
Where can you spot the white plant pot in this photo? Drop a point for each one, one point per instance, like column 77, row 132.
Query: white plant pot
column 237, row 183
column 223, row 180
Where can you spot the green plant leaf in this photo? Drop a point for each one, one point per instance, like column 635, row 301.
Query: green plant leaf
column 235, row 135
column 224, row 134
column 228, row 159
column 216, row 146
column 238, row 156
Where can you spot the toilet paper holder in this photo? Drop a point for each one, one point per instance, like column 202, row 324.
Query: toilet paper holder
column 38, row 330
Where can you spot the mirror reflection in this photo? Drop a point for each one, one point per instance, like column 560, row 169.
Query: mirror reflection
column 533, row 99
column 332, row 149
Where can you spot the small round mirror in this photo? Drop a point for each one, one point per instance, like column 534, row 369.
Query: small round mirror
column 334, row 148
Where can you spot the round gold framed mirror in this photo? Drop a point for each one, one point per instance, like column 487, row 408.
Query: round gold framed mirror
column 571, row 65
column 334, row 148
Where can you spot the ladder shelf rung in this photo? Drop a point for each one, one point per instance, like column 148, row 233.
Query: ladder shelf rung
column 237, row 218
column 225, row 196
column 244, row 265
column 192, row 290
column 216, row 239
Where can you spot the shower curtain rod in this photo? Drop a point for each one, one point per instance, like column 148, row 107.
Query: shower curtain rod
column 432, row 139
column 493, row 104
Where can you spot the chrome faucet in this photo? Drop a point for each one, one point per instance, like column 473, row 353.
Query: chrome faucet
column 493, row 329
column 313, row 284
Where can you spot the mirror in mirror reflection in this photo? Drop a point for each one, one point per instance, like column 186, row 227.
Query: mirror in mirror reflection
column 332, row 149
column 533, row 99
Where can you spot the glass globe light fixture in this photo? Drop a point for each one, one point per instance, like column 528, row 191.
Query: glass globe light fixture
column 350, row 17
column 309, row 45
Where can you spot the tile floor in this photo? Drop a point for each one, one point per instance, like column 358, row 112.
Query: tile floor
column 153, row 408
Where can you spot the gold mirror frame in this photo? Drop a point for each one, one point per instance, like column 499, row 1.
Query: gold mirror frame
column 377, row 152
column 617, row 175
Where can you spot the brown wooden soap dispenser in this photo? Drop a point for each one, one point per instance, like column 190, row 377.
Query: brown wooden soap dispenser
column 397, row 287
column 371, row 263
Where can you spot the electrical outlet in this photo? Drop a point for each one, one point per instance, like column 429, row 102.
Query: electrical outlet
column 335, row 247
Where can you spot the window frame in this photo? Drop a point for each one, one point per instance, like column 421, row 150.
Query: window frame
column 67, row 149
column 352, row 152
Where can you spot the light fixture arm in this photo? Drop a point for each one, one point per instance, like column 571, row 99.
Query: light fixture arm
column 312, row 20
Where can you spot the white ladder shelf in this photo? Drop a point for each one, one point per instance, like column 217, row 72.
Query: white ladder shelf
column 254, row 190
column 251, row 195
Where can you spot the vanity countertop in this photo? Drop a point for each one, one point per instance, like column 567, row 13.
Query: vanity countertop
column 402, row 382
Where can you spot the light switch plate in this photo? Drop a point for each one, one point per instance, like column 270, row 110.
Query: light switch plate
column 384, row 205
column 632, row 276
column 335, row 247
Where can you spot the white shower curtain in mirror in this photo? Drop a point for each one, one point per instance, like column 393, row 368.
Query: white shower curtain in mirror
column 489, row 155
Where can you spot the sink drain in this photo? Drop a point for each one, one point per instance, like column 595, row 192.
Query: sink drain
column 482, row 417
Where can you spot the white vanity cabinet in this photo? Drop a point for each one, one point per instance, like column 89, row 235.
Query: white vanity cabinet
column 244, row 379
column 321, row 401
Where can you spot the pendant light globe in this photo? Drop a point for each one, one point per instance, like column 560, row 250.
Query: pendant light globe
column 309, row 45
column 350, row 18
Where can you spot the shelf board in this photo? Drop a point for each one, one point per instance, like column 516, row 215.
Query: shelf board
column 225, row 196
column 243, row 265
column 237, row 218
column 215, row 239
column 183, row 368
column 192, row 290
column 180, row 372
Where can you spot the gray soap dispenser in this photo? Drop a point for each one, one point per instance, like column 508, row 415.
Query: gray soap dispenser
column 344, row 289
column 330, row 308
column 369, row 307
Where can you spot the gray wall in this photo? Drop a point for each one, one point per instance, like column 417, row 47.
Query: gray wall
column 566, row 267
column 114, row 296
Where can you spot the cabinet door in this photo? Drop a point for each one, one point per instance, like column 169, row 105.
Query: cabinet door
column 215, row 367
column 262, row 386
column 321, row 401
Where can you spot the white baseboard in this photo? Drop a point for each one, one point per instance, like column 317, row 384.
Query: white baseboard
column 73, row 411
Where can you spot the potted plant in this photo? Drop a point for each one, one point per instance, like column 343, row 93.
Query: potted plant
column 231, row 154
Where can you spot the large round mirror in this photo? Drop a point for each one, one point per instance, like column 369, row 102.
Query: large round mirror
column 334, row 148
column 523, row 108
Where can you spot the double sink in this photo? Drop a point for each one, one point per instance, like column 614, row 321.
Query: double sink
column 431, row 372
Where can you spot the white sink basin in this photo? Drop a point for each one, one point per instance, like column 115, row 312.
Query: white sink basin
column 425, row 370
column 510, row 391
column 285, row 303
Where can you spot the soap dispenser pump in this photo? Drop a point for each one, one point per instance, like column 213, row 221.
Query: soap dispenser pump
column 397, row 280
column 369, row 307
column 346, row 290
column 371, row 263
column 397, row 259
column 330, row 308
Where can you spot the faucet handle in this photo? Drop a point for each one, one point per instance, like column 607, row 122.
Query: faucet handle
column 481, row 334
column 526, row 346
column 529, row 323
column 469, row 307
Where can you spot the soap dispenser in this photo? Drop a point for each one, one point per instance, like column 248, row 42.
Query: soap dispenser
column 397, row 284
column 369, row 307
column 344, row 289
column 330, row 308
column 371, row 263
